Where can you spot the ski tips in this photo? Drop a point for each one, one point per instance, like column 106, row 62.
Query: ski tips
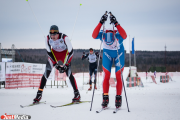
column 21, row 106
column 53, row 106
column 108, row 12
column 97, row 111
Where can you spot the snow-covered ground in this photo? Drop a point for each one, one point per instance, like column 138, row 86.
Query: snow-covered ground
column 159, row 101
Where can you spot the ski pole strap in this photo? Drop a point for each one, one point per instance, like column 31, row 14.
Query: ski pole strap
column 53, row 55
column 66, row 57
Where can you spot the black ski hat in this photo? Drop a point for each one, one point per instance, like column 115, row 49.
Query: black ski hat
column 90, row 49
column 53, row 29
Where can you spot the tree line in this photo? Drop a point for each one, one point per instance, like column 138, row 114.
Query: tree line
column 145, row 60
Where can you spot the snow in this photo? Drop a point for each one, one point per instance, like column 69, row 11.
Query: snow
column 159, row 101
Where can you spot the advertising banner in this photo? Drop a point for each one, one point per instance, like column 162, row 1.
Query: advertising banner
column 2, row 71
column 21, row 75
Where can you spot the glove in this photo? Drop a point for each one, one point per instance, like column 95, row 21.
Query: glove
column 113, row 19
column 103, row 18
column 61, row 69
column 97, row 53
column 57, row 66
column 65, row 67
column 83, row 53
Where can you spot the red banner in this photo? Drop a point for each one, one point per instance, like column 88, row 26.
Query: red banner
column 22, row 80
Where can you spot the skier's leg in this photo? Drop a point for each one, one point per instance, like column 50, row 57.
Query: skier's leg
column 90, row 77
column 107, row 63
column 119, row 84
column 74, row 85
column 49, row 66
column 118, row 70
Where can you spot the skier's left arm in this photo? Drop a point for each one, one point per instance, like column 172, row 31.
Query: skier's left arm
column 97, row 55
column 96, row 33
column 70, row 51
column 84, row 56
column 122, row 33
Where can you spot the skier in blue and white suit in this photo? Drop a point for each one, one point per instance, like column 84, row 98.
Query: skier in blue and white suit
column 109, row 55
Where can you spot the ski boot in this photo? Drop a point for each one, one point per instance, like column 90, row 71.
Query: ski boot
column 118, row 101
column 38, row 97
column 105, row 101
column 95, row 87
column 90, row 88
column 77, row 97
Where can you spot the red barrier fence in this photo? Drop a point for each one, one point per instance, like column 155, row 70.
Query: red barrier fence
column 164, row 79
column 22, row 80
column 60, row 76
column 158, row 74
column 153, row 78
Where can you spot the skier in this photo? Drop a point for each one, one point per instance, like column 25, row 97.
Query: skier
column 58, row 48
column 110, row 55
column 92, row 57
column 155, row 74
column 146, row 74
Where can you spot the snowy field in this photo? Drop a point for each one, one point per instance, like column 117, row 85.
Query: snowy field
column 159, row 101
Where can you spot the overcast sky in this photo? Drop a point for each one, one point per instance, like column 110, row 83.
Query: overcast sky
column 153, row 23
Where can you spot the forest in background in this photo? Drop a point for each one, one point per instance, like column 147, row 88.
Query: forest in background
column 145, row 60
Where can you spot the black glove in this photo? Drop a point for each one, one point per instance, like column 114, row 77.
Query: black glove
column 61, row 69
column 113, row 19
column 103, row 18
column 57, row 66
column 83, row 53
column 97, row 53
column 65, row 67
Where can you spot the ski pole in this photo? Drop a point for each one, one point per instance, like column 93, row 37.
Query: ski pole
column 98, row 62
column 75, row 22
column 119, row 63
column 36, row 19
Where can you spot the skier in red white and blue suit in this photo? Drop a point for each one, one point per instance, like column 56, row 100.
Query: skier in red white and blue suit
column 110, row 55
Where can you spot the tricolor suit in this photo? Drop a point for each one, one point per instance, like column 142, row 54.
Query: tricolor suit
column 110, row 55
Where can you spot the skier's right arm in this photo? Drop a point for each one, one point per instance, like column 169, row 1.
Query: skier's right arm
column 84, row 56
column 96, row 31
column 98, row 27
column 48, row 49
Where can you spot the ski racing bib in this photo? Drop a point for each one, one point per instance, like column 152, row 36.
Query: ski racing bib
column 92, row 58
column 58, row 45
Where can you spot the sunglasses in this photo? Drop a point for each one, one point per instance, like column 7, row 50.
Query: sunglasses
column 53, row 31
column 53, row 34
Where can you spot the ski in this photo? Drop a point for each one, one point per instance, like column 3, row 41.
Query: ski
column 115, row 111
column 43, row 102
column 102, row 109
column 69, row 104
